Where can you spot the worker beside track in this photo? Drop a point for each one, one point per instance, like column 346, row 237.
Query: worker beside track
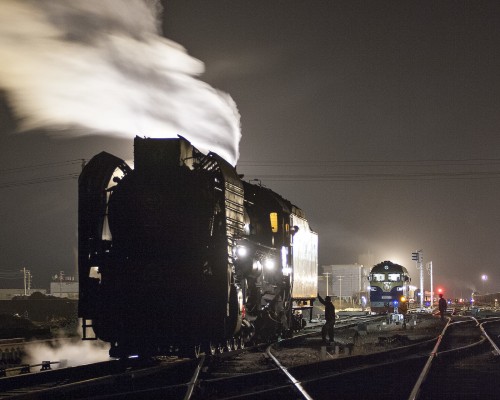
column 442, row 306
column 329, row 326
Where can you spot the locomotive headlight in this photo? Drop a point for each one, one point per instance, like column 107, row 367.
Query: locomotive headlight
column 269, row 264
column 241, row 251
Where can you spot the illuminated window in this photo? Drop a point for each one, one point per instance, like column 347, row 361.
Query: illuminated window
column 394, row 277
column 274, row 221
column 379, row 277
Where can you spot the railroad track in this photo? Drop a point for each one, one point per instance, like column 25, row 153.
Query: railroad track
column 468, row 372
column 402, row 372
column 404, row 369
column 97, row 380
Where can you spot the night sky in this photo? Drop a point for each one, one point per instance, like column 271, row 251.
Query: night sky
column 379, row 119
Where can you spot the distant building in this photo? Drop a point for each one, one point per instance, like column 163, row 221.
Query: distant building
column 64, row 286
column 347, row 283
column 9, row 294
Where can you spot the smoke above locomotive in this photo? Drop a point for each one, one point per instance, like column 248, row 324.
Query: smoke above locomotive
column 68, row 60
column 181, row 253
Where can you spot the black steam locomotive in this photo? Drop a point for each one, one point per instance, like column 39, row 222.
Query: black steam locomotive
column 179, row 254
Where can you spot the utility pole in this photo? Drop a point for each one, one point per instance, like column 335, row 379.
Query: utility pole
column 27, row 280
column 340, row 290
column 327, row 274
column 61, row 274
column 429, row 270
column 24, row 277
column 418, row 257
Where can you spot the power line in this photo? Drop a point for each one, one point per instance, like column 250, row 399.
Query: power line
column 34, row 181
column 379, row 163
column 38, row 166
column 59, row 165
column 376, row 177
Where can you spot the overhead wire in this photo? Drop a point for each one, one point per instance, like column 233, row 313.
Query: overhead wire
column 317, row 177
column 356, row 170
column 379, row 163
column 42, row 179
column 44, row 165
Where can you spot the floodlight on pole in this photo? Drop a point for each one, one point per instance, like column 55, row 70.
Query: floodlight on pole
column 484, row 278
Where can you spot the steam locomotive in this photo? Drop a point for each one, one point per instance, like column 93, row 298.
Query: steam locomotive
column 180, row 254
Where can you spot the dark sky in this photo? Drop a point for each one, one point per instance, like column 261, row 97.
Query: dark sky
column 379, row 119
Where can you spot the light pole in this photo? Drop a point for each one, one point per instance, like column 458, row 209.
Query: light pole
column 327, row 274
column 429, row 269
column 418, row 257
column 484, row 278
column 340, row 290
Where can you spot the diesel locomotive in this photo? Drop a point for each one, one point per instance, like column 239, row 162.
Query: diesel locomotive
column 389, row 283
column 179, row 254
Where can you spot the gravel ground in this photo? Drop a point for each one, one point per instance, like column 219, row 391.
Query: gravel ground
column 364, row 339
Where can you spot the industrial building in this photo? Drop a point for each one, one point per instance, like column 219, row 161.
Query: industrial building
column 347, row 284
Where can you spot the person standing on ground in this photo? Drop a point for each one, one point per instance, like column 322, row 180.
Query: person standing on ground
column 329, row 326
column 442, row 306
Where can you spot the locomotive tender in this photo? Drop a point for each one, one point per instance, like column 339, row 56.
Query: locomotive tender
column 181, row 253
column 389, row 282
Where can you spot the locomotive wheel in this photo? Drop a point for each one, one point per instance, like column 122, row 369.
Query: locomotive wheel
column 197, row 351
column 241, row 343
column 212, row 349
column 189, row 351
column 229, row 344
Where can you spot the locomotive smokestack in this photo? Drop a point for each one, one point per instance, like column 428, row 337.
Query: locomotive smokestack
column 160, row 154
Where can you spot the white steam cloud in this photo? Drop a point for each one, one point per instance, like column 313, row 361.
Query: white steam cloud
column 101, row 67
column 72, row 353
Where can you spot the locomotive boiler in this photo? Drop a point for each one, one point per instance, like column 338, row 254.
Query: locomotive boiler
column 180, row 254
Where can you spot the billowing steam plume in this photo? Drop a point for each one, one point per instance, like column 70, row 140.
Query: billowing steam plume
column 101, row 67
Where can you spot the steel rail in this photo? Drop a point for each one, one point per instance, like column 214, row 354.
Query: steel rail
column 496, row 350
column 194, row 379
column 416, row 388
column 65, row 388
column 295, row 382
